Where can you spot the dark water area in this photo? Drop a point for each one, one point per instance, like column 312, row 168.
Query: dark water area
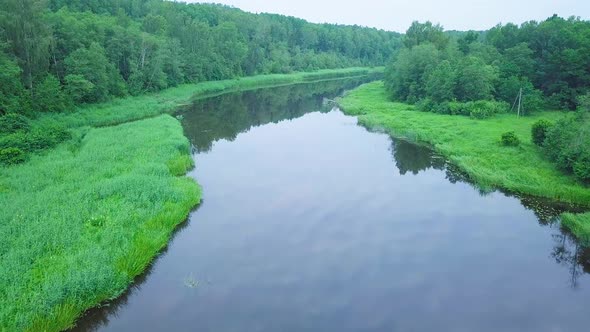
column 309, row 222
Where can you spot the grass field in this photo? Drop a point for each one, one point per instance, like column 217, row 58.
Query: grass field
column 474, row 146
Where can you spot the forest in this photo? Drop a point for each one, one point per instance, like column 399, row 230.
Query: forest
column 528, row 68
column 58, row 52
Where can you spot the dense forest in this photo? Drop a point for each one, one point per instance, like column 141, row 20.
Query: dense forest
column 526, row 68
column 57, row 53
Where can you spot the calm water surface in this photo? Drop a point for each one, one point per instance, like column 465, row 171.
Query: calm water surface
column 310, row 222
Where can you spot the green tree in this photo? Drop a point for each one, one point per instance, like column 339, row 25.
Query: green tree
column 11, row 89
column 476, row 79
column 28, row 36
column 78, row 88
column 420, row 33
column 441, row 83
column 93, row 66
column 406, row 77
column 49, row 96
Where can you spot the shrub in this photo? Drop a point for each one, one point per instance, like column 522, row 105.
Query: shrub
column 539, row 131
column 426, row 105
column 11, row 156
column 482, row 109
column 12, row 122
column 582, row 167
column 457, row 108
column 510, row 139
column 568, row 144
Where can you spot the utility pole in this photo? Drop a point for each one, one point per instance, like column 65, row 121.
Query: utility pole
column 519, row 102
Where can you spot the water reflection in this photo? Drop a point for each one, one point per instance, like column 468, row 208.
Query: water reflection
column 226, row 116
column 304, row 249
column 415, row 158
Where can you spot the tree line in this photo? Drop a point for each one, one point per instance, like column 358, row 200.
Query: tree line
column 534, row 66
column 58, row 53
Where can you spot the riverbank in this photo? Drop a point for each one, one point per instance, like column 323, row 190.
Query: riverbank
column 474, row 146
column 133, row 108
column 81, row 220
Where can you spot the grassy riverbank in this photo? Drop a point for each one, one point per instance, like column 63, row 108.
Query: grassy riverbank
column 474, row 146
column 81, row 220
column 140, row 107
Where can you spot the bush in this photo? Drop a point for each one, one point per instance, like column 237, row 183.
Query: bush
column 539, row 131
column 568, row 144
column 12, row 122
column 426, row 105
column 510, row 139
column 582, row 167
column 11, row 156
column 482, row 109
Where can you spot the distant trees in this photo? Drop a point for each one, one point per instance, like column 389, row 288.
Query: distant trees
column 547, row 60
column 97, row 49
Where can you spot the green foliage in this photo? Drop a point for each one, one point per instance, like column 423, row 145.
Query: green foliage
column 77, row 227
column 479, row 109
column 107, row 48
column 568, row 144
column 472, row 145
column 79, row 88
column 92, row 65
column 23, row 26
column 11, row 156
column 539, row 131
column 49, row 96
column 407, row 76
column 579, row 225
column 475, row 79
column 12, row 122
column 420, row 33
column 441, row 83
column 509, row 138
column 12, row 94
column 508, row 90
column 547, row 60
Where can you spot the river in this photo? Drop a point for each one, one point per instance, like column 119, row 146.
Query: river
column 309, row 222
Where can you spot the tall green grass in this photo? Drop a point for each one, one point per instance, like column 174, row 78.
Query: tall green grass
column 579, row 225
column 79, row 222
column 474, row 146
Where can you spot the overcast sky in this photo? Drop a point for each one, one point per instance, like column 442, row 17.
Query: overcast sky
column 397, row 15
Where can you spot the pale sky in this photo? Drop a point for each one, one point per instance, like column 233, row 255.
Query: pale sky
column 397, row 15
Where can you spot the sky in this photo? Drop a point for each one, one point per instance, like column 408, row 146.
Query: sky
column 396, row 15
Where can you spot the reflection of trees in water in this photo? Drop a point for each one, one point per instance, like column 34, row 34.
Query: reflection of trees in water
column 226, row 116
column 415, row 158
column 570, row 253
column 411, row 157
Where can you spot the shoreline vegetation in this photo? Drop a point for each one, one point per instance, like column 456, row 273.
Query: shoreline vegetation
column 121, row 110
column 82, row 219
column 474, row 146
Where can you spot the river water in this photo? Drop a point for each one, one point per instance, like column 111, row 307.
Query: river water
column 310, row 222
